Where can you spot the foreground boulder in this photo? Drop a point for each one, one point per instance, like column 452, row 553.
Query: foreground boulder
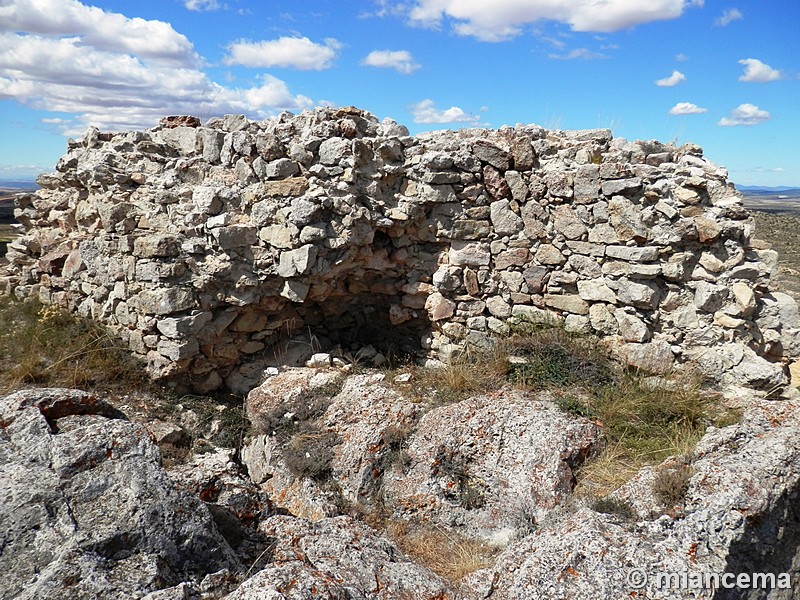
column 337, row 558
column 86, row 511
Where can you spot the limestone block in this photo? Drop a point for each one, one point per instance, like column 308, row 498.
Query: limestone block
column 627, row 186
column 709, row 297
column 297, row 262
column 295, row 290
column 469, row 254
column 165, row 301
column 596, row 290
column 547, row 254
column 439, row 307
column 559, row 184
column 504, row 220
column 567, row 223
column 235, row 236
column 602, row 319
column 631, row 328
column 498, row 307
column 279, row 236
column 568, row 303
column 178, row 350
column 156, row 245
column 633, row 253
column 641, row 295
column 489, row 153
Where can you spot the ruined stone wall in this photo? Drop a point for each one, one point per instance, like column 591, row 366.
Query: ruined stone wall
column 205, row 246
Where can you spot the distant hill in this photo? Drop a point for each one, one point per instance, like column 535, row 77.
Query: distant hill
column 759, row 190
column 17, row 185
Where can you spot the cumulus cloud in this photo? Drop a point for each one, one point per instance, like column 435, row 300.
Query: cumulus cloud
column 426, row 112
column 60, row 65
column 399, row 60
column 756, row 71
column 578, row 54
column 291, row 52
column 729, row 15
column 745, row 114
column 686, row 108
column 113, row 32
column 674, row 79
column 504, row 19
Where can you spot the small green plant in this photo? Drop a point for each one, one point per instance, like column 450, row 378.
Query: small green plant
column 552, row 358
column 575, row 406
column 614, row 506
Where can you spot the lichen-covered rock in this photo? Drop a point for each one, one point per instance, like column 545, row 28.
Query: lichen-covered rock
column 482, row 465
column 336, row 558
column 487, row 464
column 87, row 511
column 739, row 515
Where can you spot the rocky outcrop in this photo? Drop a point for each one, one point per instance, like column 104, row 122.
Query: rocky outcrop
column 739, row 517
column 485, row 466
column 337, row 558
column 87, row 511
column 208, row 246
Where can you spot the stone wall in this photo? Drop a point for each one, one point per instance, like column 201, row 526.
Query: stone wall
column 207, row 246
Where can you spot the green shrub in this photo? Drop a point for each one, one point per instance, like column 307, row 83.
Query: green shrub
column 450, row 465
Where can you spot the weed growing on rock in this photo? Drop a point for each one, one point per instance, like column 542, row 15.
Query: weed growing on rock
column 671, row 484
column 644, row 419
column 451, row 466
column 444, row 552
column 614, row 506
column 309, row 453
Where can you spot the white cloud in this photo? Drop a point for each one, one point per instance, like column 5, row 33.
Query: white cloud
column 578, row 53
column 399, row 60
column 154, row 40
column 426, row 112
column 686, row 108
column 202, row 5
column 503, row 19
column 729, row 15
column 756, row 71
column 292, row 52
column 674, row 79
column 274, row 92
column 745, row 114
column 23, row 172
column 103, row 82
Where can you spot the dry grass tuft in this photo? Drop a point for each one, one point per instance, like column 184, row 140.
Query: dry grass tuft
column 445, row 553
column 47, row 346
column 644, row 419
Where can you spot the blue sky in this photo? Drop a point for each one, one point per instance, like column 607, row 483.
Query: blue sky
column 724, row 75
